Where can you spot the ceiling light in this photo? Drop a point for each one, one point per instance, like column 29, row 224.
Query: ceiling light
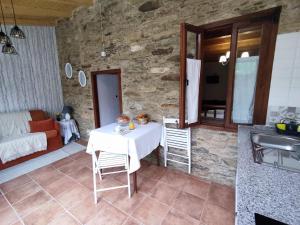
column 9, row 49
column 16, row 32
column 245, row 55
column 3, row 37
column 227, row 54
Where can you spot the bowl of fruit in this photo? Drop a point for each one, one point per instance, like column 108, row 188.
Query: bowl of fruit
column 142, row 118
column 123, row 120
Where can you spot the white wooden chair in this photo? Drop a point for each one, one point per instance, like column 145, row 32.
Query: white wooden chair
column 107, row 160
column 178, row 139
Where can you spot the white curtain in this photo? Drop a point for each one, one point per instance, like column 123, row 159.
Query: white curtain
column 193, row 67
column 31, row 79
column 244, row 89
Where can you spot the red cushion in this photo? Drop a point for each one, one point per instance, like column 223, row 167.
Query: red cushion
column 51, row 133
column 41, row 125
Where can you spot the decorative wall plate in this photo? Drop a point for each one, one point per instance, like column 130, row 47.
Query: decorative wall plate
column 82, row 78
column 68, row 70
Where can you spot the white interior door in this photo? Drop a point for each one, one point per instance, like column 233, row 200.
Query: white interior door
column 108, row 97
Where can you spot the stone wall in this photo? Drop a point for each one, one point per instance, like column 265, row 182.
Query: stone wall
column 142, row 38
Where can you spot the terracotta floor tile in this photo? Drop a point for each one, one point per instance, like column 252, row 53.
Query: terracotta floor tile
column 164, row 193
column 72, row 167
column 88, row 183
column 81, row 155
column 64, row 219
column 62, row 162
column 108, row 215
column 221, row 195
column 31, row 203
column 44, row 214
column 197, row 187
column 216, row 215
column 127, row 204
column 86, row 209
column 59, row 186
column 151, row 212
column 145, row 185
column 18, row 223
column 82, row 174
column 122, row 177
column 45, row 175
column 145, row 164
column 132, row 221
column 175, row 217
column 175, row 179
column 8, row 216
column 3, row 203
column 70, row 198
column 41, row 171
column 189, row 204
column 154, row 172
column 22, row 192
column 10, row 185
column 82, row 142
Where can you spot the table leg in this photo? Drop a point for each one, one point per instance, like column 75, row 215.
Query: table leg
column 135, row 182
column 157, row 155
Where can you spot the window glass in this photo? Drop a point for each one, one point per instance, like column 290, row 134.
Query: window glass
column 246, row 67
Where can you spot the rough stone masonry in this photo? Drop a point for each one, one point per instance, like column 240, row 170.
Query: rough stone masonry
column 142, row 38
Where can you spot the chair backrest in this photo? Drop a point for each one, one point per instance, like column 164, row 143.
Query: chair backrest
column 174, row 137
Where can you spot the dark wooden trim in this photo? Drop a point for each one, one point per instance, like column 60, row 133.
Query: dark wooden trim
column 231, row 73
column 270, row 19
column 202, row 77
column 270, row 29
column 182, row 78
column 252, row 17
column 94, row 74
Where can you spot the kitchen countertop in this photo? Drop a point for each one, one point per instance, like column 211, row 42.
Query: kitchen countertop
column 269, row 191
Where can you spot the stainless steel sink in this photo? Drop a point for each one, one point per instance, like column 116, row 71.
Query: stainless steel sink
column 276, row 141
column 276, row 150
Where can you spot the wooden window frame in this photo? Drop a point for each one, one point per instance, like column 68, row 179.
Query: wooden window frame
column 269, row 19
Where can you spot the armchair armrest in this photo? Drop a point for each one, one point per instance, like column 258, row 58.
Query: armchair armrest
column 57, row 127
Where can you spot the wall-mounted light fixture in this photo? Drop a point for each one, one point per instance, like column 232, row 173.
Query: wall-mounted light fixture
column 224, row 59
column 245, row 55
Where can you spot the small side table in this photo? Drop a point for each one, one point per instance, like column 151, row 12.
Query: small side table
column 68, row 129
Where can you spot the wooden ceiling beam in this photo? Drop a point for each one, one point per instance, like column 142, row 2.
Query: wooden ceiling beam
column 24, row 11
column 31, row 21
column 41, row 12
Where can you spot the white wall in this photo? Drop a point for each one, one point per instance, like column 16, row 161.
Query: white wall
column 285, row 84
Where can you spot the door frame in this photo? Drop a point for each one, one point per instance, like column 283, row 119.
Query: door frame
column 95, row 96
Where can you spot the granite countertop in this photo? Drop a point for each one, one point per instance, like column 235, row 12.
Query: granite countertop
column 269, row 191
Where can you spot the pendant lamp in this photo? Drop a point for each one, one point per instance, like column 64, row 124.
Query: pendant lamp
column 16, row 32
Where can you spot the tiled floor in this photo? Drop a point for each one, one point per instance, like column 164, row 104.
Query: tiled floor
column 61, row 193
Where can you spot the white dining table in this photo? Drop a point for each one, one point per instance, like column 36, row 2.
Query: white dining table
column 139, row 142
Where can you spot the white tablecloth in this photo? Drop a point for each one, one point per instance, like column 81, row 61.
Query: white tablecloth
column 138, row 143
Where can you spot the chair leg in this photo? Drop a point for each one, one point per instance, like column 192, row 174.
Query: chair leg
column 190, row 162
column 165, row 156
column 128, row 180
column 95, row 185
column 99, row 172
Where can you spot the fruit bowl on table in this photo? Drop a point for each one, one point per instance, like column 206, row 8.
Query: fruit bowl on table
column 142, row 119
column 123, row 120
